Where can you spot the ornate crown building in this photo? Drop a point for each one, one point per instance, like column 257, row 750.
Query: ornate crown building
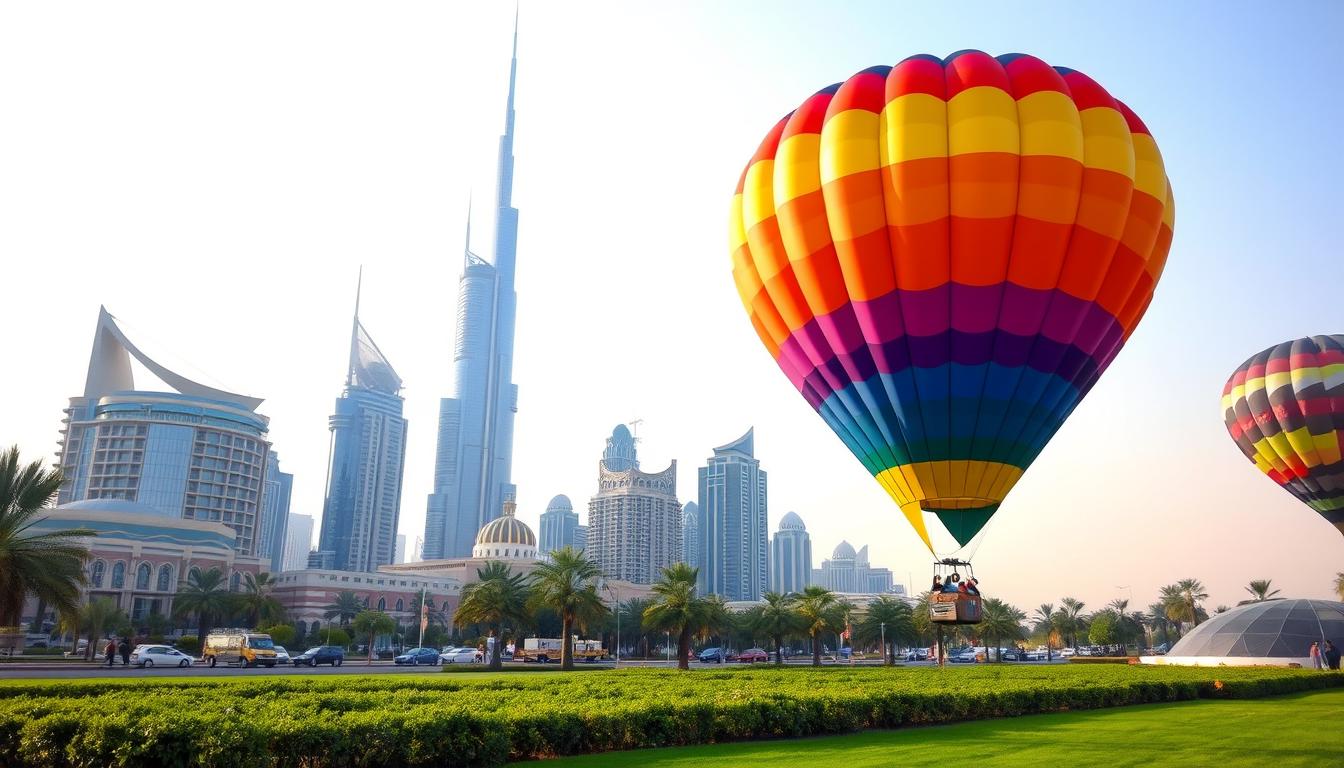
column 634, row 521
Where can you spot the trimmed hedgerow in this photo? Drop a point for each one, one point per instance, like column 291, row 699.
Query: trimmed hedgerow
column 352, row 721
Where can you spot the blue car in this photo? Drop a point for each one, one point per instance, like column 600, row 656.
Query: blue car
column 418, row 656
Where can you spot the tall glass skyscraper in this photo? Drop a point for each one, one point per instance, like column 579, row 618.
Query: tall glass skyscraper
column 275, row 496
column 559, row 525
column 364, row 469
column 198, row 453
column 473, row 459
column 732, row 527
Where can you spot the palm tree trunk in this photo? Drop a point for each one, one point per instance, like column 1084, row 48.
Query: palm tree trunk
column 684, row 648
column 371, row 648
column 566, row 642
column 779, row 650
column 816, row 649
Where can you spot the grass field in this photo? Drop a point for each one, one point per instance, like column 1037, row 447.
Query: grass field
column 1304, row 729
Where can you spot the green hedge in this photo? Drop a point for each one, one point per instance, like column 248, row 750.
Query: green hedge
column 348, row 721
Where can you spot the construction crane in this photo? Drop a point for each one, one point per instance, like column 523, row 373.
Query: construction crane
column 634, row 428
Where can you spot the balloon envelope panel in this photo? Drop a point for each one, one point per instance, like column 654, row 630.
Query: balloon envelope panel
column 1285, row 409
column 943, row 256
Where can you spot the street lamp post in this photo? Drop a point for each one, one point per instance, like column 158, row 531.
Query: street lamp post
column 883, row 627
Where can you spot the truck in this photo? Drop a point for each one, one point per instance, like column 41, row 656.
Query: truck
column 238, row 646
column 544, row 649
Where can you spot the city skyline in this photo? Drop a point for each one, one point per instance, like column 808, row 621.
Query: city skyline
column 376, row 155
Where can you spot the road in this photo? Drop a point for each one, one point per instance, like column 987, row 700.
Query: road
column 77, row 671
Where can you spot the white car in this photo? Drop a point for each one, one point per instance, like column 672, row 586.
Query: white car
column 159, row 656
column 1067, row 653
column 459, row 655
column 281, row 655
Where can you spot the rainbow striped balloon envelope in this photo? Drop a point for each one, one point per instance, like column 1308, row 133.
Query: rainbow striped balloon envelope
column 1285, row 409
column 943, row 256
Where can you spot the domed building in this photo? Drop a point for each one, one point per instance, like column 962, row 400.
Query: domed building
column 848, row 571
column 1269, row 633
column 560, row 527
column 506, row 537
column 790, row 556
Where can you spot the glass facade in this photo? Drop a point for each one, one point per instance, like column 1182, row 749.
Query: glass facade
column 182, row 456
column 732, row 522
column 275, row 497
column 363, row 502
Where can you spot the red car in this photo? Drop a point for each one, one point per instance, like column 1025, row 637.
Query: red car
column 753, row 654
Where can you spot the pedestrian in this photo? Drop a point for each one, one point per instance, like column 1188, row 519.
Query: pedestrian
column 1315, row 656
column 110, row 651
column 1331, row 656
column 124, row 648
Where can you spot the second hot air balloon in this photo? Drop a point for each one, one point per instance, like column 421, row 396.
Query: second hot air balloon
column 1284, row 407
column 943, row 256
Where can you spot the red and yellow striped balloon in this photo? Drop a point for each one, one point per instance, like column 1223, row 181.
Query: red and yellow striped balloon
column 1285, row 409
column 943, row 256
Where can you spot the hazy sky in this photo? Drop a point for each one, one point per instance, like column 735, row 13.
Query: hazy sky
column 215, row 174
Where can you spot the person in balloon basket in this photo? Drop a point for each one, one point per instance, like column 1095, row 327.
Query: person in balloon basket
column 937, row 583
column 951, row 584
column 1331, row 656
column 110, row 651
column 124, row 648
column 1315, row 655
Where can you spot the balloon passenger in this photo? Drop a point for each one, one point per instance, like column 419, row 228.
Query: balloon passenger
column 973, row 586
column 950, row 585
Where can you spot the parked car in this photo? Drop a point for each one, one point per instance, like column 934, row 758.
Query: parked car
column 917, row 654
column 752, row 655
column 418, row 656
column 281, row 655
column 1067, row 653
column 147, row 656
column 321, row 654
column 1009, row 654
column 459, row 656
column 964, row 656
column 716, row 655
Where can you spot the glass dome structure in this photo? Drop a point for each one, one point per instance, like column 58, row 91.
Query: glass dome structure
column 1274, row 632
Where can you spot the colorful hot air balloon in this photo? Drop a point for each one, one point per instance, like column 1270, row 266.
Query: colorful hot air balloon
column 1285, row 409
column 943, row 256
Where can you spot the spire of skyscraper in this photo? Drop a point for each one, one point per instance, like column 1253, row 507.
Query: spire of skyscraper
column 354, row 331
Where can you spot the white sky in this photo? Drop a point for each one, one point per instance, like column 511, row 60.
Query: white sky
column 216, row 174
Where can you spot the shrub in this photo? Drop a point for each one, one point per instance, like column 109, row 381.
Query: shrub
column 188, row 644
column 282, row 634
column 347, row 720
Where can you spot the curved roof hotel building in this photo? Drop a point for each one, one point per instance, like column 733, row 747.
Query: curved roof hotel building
column 197, row 453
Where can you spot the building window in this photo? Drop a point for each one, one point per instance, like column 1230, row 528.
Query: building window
column 118, row 575
column 194, row 574
column 382, row 603
column 165, row 577
column 96, row 573
column 142, row 576
column 401, row 605
column 235, row 581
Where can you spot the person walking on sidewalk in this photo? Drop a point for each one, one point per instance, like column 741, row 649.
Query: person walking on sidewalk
column 110, row 651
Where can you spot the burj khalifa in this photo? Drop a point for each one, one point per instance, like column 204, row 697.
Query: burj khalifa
column 475, row 445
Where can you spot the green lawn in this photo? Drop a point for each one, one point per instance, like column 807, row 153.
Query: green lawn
column 1304, row 729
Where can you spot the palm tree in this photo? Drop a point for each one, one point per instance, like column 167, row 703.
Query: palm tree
column 632, row 615
column 676, row 608
column 818, row 608
column 567, row 584
column 206, row 594
column 259, row 601
column 889, row 621
column 1339, row 585
column 90, row 621
column 373, row 623
column 1070, row 621
column 1182, row 601
column 49, row 565
column 1000, row 621
column 1260, row 591
column 1044, row 621
column 345, row 607
column 776, row 618
column 498, row 595
column 1158, row 621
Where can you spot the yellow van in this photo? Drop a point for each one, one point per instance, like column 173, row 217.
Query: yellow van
column 238, row 646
